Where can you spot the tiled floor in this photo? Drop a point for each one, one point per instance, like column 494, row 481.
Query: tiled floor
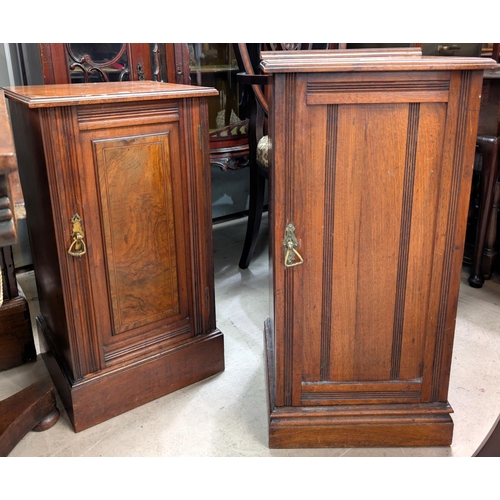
column 226, row 415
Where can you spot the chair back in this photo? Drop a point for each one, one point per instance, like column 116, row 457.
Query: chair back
column 248, row 57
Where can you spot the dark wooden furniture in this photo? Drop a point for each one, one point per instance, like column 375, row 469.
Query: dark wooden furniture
column 488, row 142
column 34, row 408
column 370, row 170
column 248, row 56
column 17, row 345
column 107, row 62
column 118, row 198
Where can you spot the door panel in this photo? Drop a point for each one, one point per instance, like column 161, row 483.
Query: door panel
column 138, row 241
column 365, row 236
column 137, row 217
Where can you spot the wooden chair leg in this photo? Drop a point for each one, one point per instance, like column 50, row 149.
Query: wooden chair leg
column 33, row 408
column 490, row 149
column 490, row 250
column 256, row 207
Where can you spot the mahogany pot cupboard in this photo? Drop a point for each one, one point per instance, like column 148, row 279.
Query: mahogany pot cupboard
column 370, row 170
column 117, row 190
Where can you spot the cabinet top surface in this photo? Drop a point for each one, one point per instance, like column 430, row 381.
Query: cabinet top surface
column 37, row 96
column 358, row 61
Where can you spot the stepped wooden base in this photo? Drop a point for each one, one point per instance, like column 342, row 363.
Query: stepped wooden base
column 33, row 408
column 345, row 426
column 112, row 392
column 350, row 427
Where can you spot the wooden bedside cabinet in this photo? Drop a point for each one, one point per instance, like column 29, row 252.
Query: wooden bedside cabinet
column 116, row 183
column 371, row 161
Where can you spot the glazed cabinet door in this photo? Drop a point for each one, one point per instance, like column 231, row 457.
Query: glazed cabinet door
column 370, row 209
column 102, row 62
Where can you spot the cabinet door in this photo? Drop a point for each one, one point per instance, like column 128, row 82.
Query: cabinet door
column 377, row 195
column 142, row 194
column 140, row 256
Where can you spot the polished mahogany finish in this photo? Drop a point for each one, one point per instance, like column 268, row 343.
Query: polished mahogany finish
column 371, row 164
column 117, row 189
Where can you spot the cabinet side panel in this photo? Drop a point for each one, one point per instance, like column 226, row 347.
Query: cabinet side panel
column 195, row 155
column 39, row 217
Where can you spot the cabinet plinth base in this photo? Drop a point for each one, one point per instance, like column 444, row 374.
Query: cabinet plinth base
column 108, row 394
column 303, row 429
column 345, row 426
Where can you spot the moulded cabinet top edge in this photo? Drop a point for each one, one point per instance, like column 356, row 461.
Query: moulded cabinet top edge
column 41, row 96
column 342, row 61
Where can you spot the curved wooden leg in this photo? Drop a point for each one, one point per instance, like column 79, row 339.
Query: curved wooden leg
column 33, row 408
column 256, row 207
column 490, row 149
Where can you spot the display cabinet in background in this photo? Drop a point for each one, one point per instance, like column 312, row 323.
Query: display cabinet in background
column 215, row 65
column 105, row 62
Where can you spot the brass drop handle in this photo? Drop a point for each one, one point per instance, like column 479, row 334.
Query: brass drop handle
column 291, row 243
column 77, row 247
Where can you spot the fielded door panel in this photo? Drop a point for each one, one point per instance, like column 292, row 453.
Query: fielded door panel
column 142, row 277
